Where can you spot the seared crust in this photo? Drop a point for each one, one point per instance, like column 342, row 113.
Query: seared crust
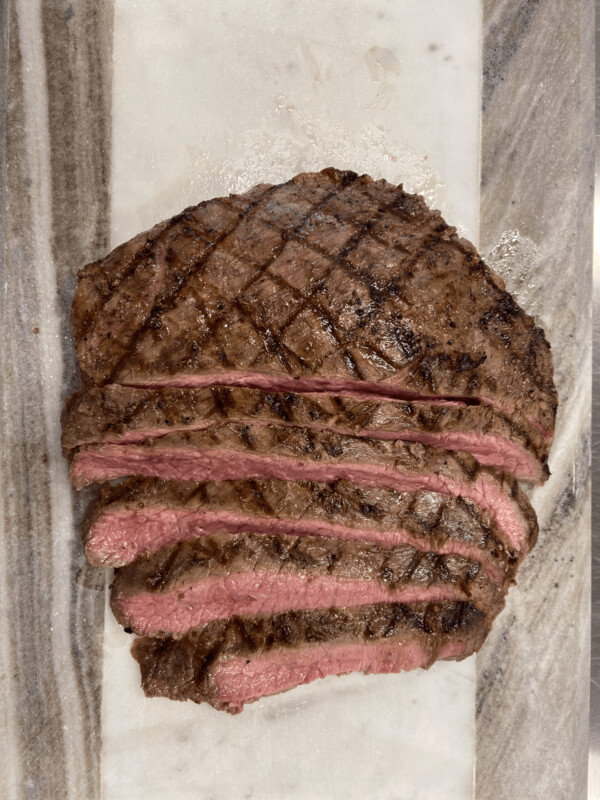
column 330, row 448
column 105, row 414
column 185, row 669
column 432, row 519
column 175, row 569
column 329, row 284
column 328, row 275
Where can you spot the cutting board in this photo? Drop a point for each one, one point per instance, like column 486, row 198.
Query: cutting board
column 205, row 104
column 121, row 114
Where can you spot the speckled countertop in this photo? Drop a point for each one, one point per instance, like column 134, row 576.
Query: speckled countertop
column 116, row 114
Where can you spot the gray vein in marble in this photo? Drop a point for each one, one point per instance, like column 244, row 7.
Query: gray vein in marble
column 536, row 171
column 56, row 218
column 506, row 24
column 537, row 167
column 8, row 781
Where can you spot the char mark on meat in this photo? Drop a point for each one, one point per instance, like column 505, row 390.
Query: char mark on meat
column 121, row 414
column 218, row 576
column 138, row 517
column 230, row 663
column 233, row 452
column 323, row 277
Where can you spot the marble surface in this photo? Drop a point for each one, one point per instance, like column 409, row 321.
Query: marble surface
column 212, row 98
column 392, row 90
column 536, row 214
column 139, row 108
column 55, row 100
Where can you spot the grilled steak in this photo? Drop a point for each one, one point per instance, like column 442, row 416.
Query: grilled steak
column 321, row 400
column 123, row 414
column 138, row 517
column 330, row 282
column 231, row 452
column 218, row 576
column 237, row 661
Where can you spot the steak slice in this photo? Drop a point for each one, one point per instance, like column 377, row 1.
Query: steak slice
column 123, row 414
column 138, row 517
column 328, row 282
column 220, row 575
column 239, row 660
column 231, row 452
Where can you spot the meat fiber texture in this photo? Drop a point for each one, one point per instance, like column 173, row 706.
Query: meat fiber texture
column 328, row 282
column 139, row 516
column 324, row 398
column 116, row 414
column 231, row 452
column 233, row 662
column 217, row 576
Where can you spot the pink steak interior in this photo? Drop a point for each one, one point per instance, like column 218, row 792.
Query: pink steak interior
column 183, row 464
column 341, row 386
column 260, row 592
column 490, row 450
column 242, row 680
column 286, row 383
column 119, row 537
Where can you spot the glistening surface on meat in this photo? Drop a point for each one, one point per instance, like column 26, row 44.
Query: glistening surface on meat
column 330, row 281
column 219, row 576
column 124, row 414
column 138, row 517
column 237, row 661
column 230, row 452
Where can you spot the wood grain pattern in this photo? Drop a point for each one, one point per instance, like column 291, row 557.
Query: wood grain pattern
column 536, row 197
column 57, row 171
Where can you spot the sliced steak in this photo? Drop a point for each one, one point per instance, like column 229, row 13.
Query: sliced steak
column 220, row 575
column 330, row 282
column 231, row 452
column 138, row 517
column 122, row 414
column 239, row 660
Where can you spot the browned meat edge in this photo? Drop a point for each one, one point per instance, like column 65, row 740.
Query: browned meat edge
column 432, row 519
column 174, row 569
column 328, row 275
column 104, row 414
column 184, row 669
column 331, row 449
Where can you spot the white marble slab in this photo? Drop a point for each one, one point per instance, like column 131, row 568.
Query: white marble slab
column 535, row 209
column 211, row 98
column 352, row 737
